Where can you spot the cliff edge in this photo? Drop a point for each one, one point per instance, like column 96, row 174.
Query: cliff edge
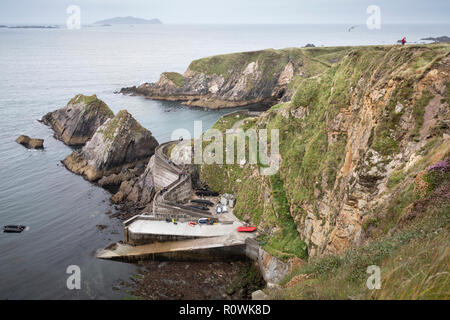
column 357, row 185
column 239, row 79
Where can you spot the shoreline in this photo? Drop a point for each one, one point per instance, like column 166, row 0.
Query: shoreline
column 169, row 280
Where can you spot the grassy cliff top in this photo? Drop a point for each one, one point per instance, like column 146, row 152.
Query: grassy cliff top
column 123, row 120
column 270, row 61
column 309, row 62
column 175, row 77
column 92, row 103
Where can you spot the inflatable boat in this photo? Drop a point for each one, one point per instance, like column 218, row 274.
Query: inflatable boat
column 246, row 229
column 13, row 229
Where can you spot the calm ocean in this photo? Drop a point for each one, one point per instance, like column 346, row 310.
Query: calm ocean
column 41, row 69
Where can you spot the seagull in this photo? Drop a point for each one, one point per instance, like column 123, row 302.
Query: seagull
column 351, row 28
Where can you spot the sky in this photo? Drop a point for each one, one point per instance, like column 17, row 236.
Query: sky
column 228, row 11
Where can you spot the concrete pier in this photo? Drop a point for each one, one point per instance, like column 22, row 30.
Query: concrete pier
column 227, row 247
column 150, row 233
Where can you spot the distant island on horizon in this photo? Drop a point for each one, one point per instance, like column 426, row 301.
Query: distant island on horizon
column 128, row 20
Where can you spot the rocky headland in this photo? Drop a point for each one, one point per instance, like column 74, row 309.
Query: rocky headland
column 442, row 39
column 77, row 122
column 127, row 20
column 238, row 79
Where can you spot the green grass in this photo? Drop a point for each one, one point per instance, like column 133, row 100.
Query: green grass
column 287, row 244
column 92, row 105
column 227, row 122
column 312, row 153
column 270, row 62
column 434, row 179
column 395, row 178
column 419, row 110
column 385, row 145
column 414, row 265
column 175, row 77
column 447, row 93
column 428, row 146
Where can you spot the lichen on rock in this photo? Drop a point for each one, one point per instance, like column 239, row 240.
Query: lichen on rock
column 121, row 142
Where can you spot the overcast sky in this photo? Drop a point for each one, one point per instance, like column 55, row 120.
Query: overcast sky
column 228, row 11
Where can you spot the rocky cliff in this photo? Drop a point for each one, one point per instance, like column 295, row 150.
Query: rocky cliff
column 137, row 191
column 120, row 143
column 352, row 141
column 240, row 79
column 76, row 123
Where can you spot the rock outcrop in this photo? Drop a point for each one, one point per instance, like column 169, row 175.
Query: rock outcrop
column 77, row 122
column 138, row 190
column 238, row 79
column 118, row 144
column 442, row 39
column 30, row 143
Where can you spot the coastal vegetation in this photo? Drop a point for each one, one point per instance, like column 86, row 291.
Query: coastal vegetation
column 357, row 139
column 364, row 161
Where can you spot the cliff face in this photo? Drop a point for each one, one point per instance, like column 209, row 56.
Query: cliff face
column 76, row 123
column 119, row 143
column 239, row 79
column 352, row 141
column 138, row 190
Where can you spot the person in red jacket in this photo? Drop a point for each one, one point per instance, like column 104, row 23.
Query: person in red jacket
column 403, row 41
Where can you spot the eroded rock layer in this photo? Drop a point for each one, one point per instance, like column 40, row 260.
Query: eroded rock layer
column 77, row 122
column 120, row 143
column 237, row 79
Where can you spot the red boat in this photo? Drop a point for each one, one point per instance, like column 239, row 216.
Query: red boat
column 246, row 229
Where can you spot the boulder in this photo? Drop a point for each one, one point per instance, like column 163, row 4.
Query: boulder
column 121, row 142
column 77, row 122
column 259, row 295
column 30, row 143
column 272, row 269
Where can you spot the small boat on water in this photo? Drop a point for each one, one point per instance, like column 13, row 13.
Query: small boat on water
column 14, row 228
column 246, row 229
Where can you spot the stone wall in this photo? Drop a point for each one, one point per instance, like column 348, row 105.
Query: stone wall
column 272, row 269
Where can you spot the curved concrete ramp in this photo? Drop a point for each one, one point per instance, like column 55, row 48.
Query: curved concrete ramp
column 224, row 247
column 177, row 187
